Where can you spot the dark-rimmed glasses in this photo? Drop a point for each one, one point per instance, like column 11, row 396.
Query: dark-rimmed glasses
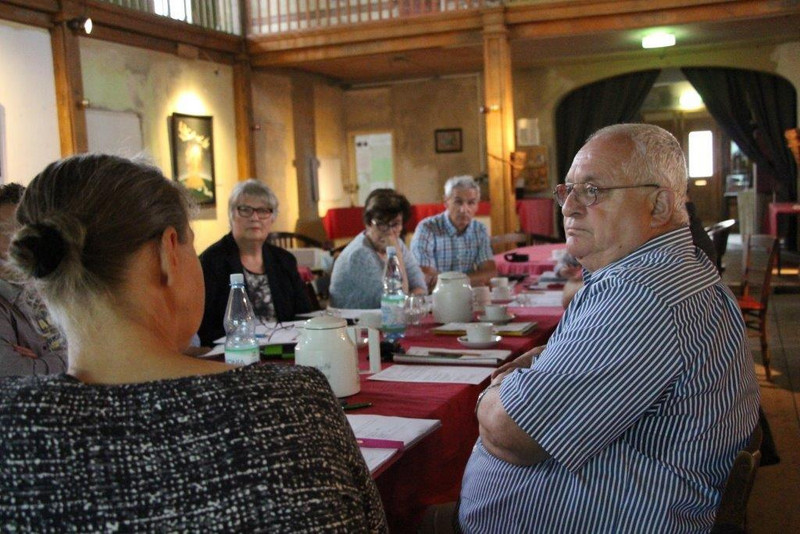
column 247, row 211
column 385, row 227
column 586, row 193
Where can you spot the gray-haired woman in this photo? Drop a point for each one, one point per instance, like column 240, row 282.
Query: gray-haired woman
column 273, row 283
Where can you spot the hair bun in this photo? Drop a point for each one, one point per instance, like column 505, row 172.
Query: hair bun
column 46, row 246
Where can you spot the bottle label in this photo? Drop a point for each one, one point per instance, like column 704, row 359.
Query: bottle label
column 393, row 318
column 241, row 356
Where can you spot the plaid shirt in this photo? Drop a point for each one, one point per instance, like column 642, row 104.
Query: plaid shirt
column 438, row 244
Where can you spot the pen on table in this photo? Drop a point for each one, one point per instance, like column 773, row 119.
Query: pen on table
column 380, row 443
column 356, row 405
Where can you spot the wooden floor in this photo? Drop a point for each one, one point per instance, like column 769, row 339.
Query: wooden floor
column 775, row 502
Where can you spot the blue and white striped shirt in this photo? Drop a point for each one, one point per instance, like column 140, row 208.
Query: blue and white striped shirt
column 642, row 398
column 438, row 244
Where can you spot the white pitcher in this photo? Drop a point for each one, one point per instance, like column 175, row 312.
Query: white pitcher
column 452, row 298
column 325, row 345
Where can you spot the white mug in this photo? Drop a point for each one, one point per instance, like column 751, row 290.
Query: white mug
column 495, row 312
column 501, row 293
column 499, row 281
column 479, row 332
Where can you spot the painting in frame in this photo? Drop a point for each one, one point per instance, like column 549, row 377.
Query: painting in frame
column 193, row 156
column 448, row 140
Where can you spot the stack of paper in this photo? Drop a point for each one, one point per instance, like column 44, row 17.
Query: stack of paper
column 510, row 329
column 491, row 358
column 373, row 431
column 435, row 374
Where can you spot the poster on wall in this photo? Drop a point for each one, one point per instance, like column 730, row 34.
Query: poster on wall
column 193, row 156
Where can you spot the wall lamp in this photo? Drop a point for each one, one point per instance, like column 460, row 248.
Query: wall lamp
column 80, row 24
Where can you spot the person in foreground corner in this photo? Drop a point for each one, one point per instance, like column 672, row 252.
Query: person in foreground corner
column 629, row 419
column 357, row 277
column 270, row 272
column 138, row 436
column 453, row 240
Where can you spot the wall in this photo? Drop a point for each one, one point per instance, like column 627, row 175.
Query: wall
column 28, row 98
column 154, row 85
column 412, row 111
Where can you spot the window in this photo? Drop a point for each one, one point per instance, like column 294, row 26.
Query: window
column 701, row 154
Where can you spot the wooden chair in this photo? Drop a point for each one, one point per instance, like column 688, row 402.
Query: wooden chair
column 501, row 243
column 719, row 237
column 732, row 511
column 754, row 310
column 293, row 240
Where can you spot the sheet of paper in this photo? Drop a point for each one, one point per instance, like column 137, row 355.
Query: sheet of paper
column 542, row 299
column 274, row 333
column 347, row 314
column 405, row 429
column 492, row 353
column 437, row 374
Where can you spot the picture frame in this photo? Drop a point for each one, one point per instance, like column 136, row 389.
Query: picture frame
column 192, row 138
column 448, row 140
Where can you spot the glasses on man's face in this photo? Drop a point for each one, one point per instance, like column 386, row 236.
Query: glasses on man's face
column 385, row 227
column 248, row 211
column 586, row 193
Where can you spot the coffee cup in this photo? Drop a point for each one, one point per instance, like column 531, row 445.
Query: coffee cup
column 494, row 312
column 481, row 296
column 501, row 293
column 499, row 281
column 479, row 332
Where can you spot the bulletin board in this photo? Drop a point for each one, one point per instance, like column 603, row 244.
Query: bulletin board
column 530, row 168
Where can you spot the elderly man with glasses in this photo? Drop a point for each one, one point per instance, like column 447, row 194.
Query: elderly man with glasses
column 270, row 273
column 629, row 419
column 453, row 240
column 357, row 277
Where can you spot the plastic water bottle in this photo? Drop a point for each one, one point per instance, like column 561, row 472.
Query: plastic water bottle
column 241, row 347
column 393, row 300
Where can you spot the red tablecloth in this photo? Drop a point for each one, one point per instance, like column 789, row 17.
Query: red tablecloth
column 348, row 222
column 781, row 208
column 536, row 215
column 540, row 259
column 431, row 471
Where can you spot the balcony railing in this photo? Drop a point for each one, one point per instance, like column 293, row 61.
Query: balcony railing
column 219, row 15
column 279, row 16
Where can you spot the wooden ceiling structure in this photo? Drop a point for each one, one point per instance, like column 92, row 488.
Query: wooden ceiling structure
column 490, row 40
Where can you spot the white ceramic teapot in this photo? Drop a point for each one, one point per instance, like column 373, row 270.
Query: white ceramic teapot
column 325, row 345
column 452, row 298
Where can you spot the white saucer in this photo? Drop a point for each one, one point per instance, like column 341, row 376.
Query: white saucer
column 479, row 344
column 505, row 320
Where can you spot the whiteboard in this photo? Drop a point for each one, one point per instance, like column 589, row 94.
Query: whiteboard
column 114, row 132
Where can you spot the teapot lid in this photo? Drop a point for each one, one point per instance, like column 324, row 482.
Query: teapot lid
column 325, row 322
column 452, row 275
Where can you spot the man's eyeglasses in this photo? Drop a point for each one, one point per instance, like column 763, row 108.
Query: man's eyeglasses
column 248, row 211
column 384, row 227
column 586, row 193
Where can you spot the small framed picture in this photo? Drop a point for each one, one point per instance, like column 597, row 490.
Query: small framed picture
column 448, row 140
column 193, row 156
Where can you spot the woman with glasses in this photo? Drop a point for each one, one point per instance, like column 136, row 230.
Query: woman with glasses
column 270, row 273
column 357, row 277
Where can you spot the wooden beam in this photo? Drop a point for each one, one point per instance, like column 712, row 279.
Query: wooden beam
column 69, row 90
column 24, row 14
column 243, row 108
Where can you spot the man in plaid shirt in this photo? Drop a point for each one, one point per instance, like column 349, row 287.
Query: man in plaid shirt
column 453, row 240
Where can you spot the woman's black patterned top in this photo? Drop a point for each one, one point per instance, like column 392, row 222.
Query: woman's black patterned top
column 256, row 449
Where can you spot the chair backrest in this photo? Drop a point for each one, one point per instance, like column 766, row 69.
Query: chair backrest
column 719, row 237
column 759, row 258
column 503, row 242
column 732, row 511
column 292, row 240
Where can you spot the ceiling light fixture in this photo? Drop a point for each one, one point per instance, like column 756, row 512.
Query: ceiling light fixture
column 658, row 40
column 83, row 24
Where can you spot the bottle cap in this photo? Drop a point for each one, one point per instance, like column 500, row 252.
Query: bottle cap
column 237, row 278
column 390, row 251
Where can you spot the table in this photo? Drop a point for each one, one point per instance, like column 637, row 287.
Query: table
column 540, row 259
column 776, row 209
column 536, row 215
column 431, row 471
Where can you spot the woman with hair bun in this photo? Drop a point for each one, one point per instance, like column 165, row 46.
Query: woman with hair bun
column 138, row 436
